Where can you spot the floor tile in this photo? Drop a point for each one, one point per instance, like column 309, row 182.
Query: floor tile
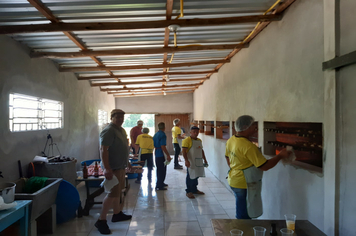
column 183, row 228
column 208, row 231
column 209, row 209
column 180, row 216
column 205, row 220
column 161, row 213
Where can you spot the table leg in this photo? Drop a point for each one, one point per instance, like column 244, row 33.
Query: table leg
column 24, row 222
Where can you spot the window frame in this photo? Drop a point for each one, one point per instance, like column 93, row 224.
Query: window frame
column 40, row 121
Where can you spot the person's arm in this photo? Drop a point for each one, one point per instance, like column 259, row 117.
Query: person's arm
column 185, row 155
column 227, row 161
column 104, row 153
column 164, row 149
column 269, row 164
column 205, row 161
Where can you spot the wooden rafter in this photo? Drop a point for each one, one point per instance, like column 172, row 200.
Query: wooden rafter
column 141, row 51
column 155, row 87
column 147, row 75
column 48, row 14
column 55, row 27
column 279, row 10
column 101, row 68
column 151, row 90
column 169, row 10
column 152, row 94
column 144, row 82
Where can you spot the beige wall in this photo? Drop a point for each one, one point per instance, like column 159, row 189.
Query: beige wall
column 278, row 78
column 173, row 104
column 40, row 77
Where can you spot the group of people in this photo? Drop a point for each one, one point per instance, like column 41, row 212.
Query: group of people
column 244, row 159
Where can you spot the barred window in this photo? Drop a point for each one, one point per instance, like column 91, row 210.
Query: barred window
column 102, row 117
column 34, row 113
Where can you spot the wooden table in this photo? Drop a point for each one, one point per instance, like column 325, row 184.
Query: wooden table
column 19, row 212
column 222, row 227
column 90, row 200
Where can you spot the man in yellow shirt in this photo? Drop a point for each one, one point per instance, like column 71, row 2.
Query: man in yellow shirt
column 145, row 142
column 242, row 157
column 194, row 155
column 176, row 138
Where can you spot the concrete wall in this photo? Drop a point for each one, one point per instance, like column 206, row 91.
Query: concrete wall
column 40, row 77
column 177, row 103
column 347, row 124
column 278, row 78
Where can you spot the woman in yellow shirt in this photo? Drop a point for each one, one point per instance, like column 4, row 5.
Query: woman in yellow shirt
column 246, row 162
column 145, row 142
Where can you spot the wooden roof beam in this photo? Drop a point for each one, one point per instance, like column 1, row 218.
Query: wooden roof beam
column 104, row 68
column 277, row 12
column 156, row 87
column 143, row 82
column 55, row 27
column 146, row 75
column 151, row 90
column 141, row 51
column 152, row 94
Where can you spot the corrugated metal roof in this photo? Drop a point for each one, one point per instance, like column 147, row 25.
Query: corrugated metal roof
column 21, row 12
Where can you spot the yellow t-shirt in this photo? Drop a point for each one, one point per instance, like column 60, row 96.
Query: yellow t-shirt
column 175, row 131
column 145, row 142
column 188, row 143
column 242, row 154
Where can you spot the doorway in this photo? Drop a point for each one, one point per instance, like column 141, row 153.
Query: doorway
column 168, row 120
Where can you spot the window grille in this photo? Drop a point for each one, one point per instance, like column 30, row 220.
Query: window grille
column 34, row 113
column 102, row 117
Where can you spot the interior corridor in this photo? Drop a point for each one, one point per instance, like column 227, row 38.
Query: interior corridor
column 167, row 212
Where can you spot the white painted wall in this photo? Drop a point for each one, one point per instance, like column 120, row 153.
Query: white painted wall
column 40, row 77
column 278, row 78
column 176, row 103
column 347, row 124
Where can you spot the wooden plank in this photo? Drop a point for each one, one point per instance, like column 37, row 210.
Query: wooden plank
column 44, row 10
column 280, row 9
column 55, row 27
column 49, row 15
column 155, row 87
column 152, row 94
column 146, row 75
column 151, row 90
column 143, row 82
column 341, row 61
column 141, row 51
column 101, row 68
column 169, row 9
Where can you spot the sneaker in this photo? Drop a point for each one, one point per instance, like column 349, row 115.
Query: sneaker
column 102, row 226
column 120, row 217
column 165, row 185
column 178, row 167
column 138, row 181
column 199, row 192
column 190, row 195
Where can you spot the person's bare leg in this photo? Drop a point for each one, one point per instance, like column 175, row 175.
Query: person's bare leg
column 107, row 204
column 117, row 205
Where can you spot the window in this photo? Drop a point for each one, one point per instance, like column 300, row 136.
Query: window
column 102, row 117
column 33, row 113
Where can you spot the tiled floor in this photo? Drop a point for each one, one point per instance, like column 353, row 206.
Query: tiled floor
column 163, row 212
